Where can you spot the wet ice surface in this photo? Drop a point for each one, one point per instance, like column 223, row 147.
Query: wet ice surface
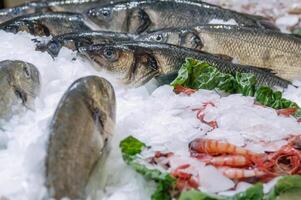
column 162, row 119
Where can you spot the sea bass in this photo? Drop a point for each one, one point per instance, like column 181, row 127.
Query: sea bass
column 27, row 8
column 144, row 16
column 80, row 134
column 264, row 48
column 139, row 62
column 76, row 40
column 19, row 86
column 46, row 24
column 78, row 6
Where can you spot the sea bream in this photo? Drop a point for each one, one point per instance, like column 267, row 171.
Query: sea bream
column 263, row 48
column 80, row 134
column 47, row 24
column 19, row 86
column 144, row 16
column 141, row 61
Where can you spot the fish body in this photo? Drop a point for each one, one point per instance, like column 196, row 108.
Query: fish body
column 80, row 133
column 264, row 48
column 144, row 16
column 78, row 6
column 19, row 86
column 27, row 8
column 47, row 24
column 142, row 61
column 75, row 40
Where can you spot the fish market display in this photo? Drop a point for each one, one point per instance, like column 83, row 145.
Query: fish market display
column 46, row 24
column 214, row 113
column 20, row 85
column 79, row 137
column 277, row 51
column 140, row 62
column 144, row 16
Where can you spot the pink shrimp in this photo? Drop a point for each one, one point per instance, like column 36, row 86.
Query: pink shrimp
column 229, row 160
column 181, row 89
column 286, row 111
column 238, row 173
column 215, row 147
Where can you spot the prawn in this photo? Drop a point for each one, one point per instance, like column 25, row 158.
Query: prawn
column 181, row 89
column 286, row 111
column 229, row 160
column 238, row 173
column 215, row 147
column 184, row 180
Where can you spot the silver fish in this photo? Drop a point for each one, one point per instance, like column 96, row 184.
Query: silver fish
column 80, row 134
column 19, row 86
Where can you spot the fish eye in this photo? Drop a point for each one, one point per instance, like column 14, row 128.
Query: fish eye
column 159, row 38
column 110, row 54
column 106, row 13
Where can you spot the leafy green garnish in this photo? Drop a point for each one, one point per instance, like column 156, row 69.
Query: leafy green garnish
column 253, row 193
column 200, row 75
column 285, row 184
column 297, row 32
column 130, row 148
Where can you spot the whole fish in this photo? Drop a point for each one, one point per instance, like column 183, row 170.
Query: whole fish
column 264, row 48
column 75, row 40
column 80, row 133
column 19, row 86
column 46, row 24
column 139, row 62
column 144, row 16
column 27, row 8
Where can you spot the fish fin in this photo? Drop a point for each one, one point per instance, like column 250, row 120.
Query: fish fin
column 262, row 21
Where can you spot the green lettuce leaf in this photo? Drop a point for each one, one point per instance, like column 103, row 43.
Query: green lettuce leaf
column 284, row 185
column 253, row 193
column 130, row 148
column 200, row 75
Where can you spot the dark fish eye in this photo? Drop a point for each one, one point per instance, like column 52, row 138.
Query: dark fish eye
column 159, row 38
column 106, row 13
column 110, row 54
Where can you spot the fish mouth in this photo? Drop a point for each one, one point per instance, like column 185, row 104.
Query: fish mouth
column 27, row 101
column 143, row 80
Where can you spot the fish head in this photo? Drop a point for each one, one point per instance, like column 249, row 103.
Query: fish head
column 121, row 17
column 183, row 38
column 109, row 57
column 33, row 27
column 24, row 78
column 136, row 65
column 108, row 17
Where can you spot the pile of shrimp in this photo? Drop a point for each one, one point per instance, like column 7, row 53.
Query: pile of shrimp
column 235, row 163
